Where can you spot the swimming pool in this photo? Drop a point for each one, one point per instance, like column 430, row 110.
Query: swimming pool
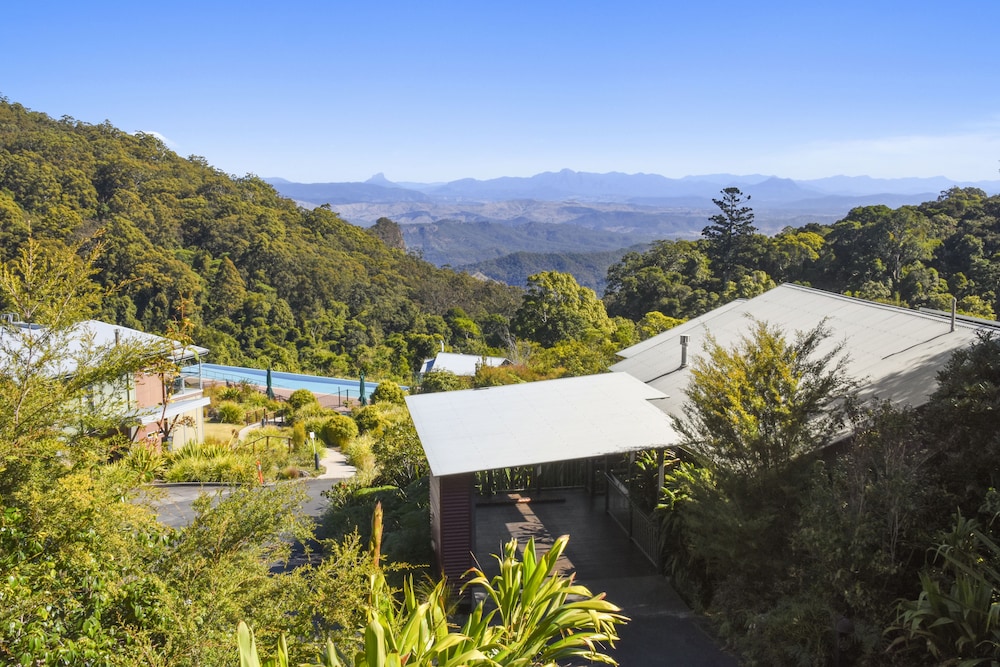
column 280, row 380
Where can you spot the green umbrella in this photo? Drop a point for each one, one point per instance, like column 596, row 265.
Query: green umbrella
column 270, row 389
column 361, row 389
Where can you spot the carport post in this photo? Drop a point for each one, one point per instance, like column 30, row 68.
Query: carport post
column 628, row 493
column 659, row 473
column 607, row 488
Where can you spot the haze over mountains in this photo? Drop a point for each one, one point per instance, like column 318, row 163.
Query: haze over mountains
column 577, row 213
column 616, row 187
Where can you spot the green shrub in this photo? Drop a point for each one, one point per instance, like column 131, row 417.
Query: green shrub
column 388, row 391
column 406, row 517
column 360, row 455
column 260, row 400
column 370, row 419
column 146, row 462
column 298, row 435
column 207, row 450
column 211, row 463
column 230, row 413
column 338, row 430
column 315, row 425
column 189, row 470
column 238, row 393
column 308, row 413
column 300, row 398
column 436, row 381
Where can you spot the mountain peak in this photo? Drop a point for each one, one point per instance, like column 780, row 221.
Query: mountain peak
column 380, row 179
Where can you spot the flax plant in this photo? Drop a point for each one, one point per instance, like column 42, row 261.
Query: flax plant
column 529, row 616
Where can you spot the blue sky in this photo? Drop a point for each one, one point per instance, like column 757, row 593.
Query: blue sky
column 436, row 91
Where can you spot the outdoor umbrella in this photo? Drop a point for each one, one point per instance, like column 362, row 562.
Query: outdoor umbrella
column 270, row 389
column 361, row 389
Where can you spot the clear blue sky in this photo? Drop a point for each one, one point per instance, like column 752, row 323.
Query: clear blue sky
column 433, row 91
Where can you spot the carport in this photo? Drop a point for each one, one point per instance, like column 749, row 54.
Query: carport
column 582, row 419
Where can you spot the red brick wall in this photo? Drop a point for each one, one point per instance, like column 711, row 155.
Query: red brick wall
column 148, row 391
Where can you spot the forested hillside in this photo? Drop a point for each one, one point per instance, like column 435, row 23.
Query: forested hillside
column 457, row 243
column 589, row 268
column 916, row 256
column 259, row 280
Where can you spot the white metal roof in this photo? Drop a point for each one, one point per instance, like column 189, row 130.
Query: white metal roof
column 895, row 352
column 538, row 422
column 155, row 413
column 92, row 337
column 104, row 336
column 460, row 364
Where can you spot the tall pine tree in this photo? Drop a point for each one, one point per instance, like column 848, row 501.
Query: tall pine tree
column 730, row 233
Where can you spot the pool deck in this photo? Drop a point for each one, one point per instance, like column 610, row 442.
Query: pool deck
column 662, row 629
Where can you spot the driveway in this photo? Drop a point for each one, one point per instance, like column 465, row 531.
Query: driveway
column 172, row 502
column 662, row 630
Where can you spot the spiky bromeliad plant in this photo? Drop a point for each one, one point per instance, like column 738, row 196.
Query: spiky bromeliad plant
column 536, row 617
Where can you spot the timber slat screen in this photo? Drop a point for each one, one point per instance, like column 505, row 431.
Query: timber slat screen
column 640, row 527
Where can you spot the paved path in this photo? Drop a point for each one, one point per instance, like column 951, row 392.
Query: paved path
column 336, row 466
column 662, row 630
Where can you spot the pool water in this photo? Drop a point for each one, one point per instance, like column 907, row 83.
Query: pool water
column 280, row 380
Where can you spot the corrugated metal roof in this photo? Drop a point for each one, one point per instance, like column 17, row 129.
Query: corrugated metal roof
column 538, row 422
column 460, row 364
column 895, row 352
column 91, row 337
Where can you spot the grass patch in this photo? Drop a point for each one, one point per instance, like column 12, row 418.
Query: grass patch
column 220, row 432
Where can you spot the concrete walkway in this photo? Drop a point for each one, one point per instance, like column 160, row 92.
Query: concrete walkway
column 334, row 462
column 662, row 630
column 336, row 465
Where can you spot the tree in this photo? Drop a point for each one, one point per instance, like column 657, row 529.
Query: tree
column 389, row 233
column 730, row 233
column 670, row 278
column 556, row 308
column 877, row 244
column 49, row 368
column 728, row 519
column 754, row 407
column 88, row 577
column 961, row 419
column 791, row 253
column 655, row 322
column 227, row 291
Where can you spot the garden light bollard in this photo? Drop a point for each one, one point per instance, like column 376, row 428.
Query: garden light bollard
column 312, row 436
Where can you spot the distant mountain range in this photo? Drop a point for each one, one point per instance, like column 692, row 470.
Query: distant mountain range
column 580, row 212
column 615, row 187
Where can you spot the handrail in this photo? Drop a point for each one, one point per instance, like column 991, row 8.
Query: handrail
column 254, row 442
column 640, row 527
